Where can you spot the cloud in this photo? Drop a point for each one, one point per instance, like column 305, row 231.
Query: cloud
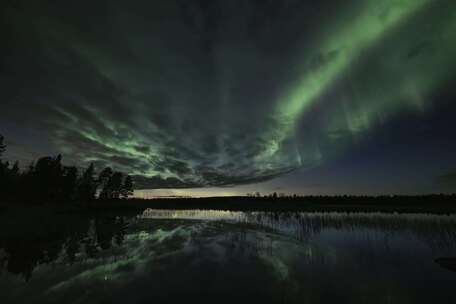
column 186, row 94
column 208, row 178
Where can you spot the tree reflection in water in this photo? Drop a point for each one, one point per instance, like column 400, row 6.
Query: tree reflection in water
column 272, row 257
column 29, row 242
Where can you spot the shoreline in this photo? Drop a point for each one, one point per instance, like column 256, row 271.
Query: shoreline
column 427, row 204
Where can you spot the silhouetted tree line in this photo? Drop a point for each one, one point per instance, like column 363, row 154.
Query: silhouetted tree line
column 353, row 199
column 48, row 179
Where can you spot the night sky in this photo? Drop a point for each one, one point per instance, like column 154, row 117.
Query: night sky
column 236, row 96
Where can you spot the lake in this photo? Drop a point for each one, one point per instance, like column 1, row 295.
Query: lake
column 168, row 256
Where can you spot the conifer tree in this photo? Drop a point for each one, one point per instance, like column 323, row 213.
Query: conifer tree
column 87, row 185
column 127, row 188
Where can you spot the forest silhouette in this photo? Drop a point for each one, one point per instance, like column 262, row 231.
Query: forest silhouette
column 48, row 180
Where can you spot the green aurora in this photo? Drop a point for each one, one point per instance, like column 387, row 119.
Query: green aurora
column 181, row 96
column 398, row 86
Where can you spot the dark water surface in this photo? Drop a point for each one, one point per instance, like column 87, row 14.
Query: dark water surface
column 165, row 256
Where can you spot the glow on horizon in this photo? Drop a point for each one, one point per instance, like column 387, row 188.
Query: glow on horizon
column 189, row 192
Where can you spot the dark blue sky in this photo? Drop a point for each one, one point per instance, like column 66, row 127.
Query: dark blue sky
column 327, row 97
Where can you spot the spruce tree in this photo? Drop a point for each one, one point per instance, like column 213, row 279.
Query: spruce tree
column 2, row 146
column 104, row 182
column 127, row 188
column 87, row 185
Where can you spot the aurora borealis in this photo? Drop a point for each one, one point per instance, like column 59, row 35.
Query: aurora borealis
column 293, row 95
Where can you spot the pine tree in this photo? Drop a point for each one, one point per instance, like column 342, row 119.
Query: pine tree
column 104, row 183
column 15, row 169
column 115, row 185
column 3, row 169
column 47, row 177
column 69, row 183
column 2, row 146
column 87, row 185
column 127, row 188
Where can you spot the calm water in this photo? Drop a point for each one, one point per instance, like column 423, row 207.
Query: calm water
column 216, row 256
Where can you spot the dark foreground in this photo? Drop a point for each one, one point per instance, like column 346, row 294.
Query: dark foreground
column 416, row 204
column 49, row 255
column 430, row 203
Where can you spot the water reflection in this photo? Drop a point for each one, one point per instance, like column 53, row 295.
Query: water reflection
column 438, row 231
column 165, row 255
column 27, row 244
